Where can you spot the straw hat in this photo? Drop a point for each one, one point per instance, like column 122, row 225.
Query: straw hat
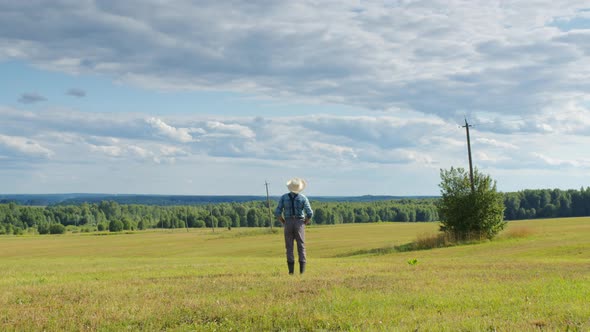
column 296, row 185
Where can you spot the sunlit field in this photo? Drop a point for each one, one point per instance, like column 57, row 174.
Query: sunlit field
column 535, row 276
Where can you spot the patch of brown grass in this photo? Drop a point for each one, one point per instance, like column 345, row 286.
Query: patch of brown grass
column 430, row 241
column 517, row 232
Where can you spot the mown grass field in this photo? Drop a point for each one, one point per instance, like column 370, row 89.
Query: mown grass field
column 535, row 276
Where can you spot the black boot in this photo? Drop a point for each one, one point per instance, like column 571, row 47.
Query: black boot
column 301, row 267
column 291, row 267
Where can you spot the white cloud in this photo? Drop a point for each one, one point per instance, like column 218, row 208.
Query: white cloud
column 324, row 144
column 495, row 143
column 328, row 151
column 216, row 128
column 163, row 129
column 425, row 142
column 520, row 67
column 435, row 57
column 23, row 146
column 140, row 152
column 555, row 162
column 109, row 150
column 385, row 131
column 491, row 158
column 396, row 156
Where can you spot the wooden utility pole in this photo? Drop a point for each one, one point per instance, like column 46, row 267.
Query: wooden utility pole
column 268, row 204
column 466, row 126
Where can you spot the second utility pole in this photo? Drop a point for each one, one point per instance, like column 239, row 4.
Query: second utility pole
column 466, row 126
column 268, row 204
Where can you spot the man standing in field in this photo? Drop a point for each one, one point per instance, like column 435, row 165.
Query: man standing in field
column 294, row 212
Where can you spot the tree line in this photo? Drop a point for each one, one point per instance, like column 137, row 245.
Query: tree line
column 110, row 215
column 547, row 203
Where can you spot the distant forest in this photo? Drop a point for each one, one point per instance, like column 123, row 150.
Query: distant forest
column 167, row 200
column 111, row 215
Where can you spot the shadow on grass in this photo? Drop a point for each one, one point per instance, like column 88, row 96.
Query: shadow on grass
column 250, row 232
column 439, row 240
column 110, row 233
column 407, row 247
column 423, row 242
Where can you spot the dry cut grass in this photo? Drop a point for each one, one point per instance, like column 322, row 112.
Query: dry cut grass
column 518, row 232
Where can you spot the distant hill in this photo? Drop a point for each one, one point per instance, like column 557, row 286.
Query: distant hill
column 79, row 198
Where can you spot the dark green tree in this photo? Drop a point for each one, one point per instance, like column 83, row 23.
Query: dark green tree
column 465, row 214
column 320, row 216
column 126, row 223
column 252, row 218
column 116, row 225
column 211, row 221
column 141, row 225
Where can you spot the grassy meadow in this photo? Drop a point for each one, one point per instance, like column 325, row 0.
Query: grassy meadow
column 534, row 277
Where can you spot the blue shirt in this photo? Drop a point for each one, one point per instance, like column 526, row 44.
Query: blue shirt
column 294, row 206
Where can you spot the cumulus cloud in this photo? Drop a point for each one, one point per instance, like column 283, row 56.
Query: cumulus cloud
column 23, row 147
column 328, row 140
column 109, row 150
column 216, row 128
column 165, row 130
column 436, row 57
column 322, row 150
column 555, row 162
column 518, row 70
column 141, row 152
column 332, row 139
column 495, row 143
column 385, row 131
column 31, row 98
column 323, row 143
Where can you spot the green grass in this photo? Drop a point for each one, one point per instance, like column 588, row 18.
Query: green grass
column 535, row 276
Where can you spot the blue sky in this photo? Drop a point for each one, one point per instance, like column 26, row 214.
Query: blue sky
column 358, row 97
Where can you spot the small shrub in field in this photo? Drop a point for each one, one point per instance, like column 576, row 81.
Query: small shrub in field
column 57, row 229
column 101, row 227
column 465, row 212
